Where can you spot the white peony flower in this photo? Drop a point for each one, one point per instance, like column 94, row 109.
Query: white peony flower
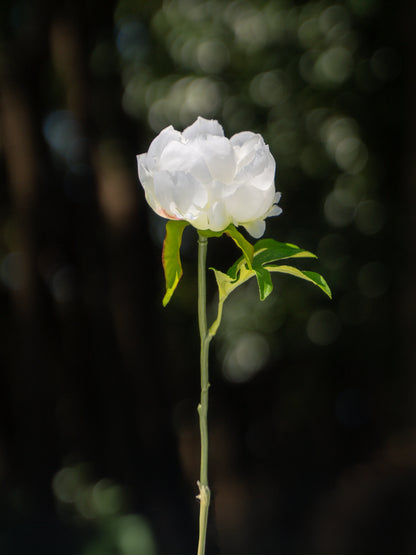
column 208, row 180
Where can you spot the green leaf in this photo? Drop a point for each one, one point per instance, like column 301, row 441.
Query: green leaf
column 269, row 250
column 264, row 280
column 239, row 273
column 313, row 277
column 171, row 256
column 227, row 285
column 235, row 268
column 242, row 243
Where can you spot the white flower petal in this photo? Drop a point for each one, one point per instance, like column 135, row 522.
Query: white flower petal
column 202, row 177
column 144, row 173
column 146, row 179
column 158, row 145
column 240, row 139
column 259, row 172
column 245, row 145
column 163, row 190
column 218, row 218
column 255, row 164
column 184, row 158
column 274, row 211
column 248, row 203
column 179, row 193
column 218, row 155
column 199, row 221
column 203, row 127
column 256, row 228
column 189, row 192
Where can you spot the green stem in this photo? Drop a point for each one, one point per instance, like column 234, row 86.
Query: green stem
column 204, row 491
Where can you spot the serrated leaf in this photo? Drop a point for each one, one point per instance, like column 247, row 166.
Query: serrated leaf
column 171, row 259
column 269, row 250
column 264, row 280
column 313, row 277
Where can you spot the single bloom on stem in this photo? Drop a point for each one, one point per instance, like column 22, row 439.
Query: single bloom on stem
column 200, row 177
column 210, row 181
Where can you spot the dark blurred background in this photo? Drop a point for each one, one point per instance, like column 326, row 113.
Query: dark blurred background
column 311, row 417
